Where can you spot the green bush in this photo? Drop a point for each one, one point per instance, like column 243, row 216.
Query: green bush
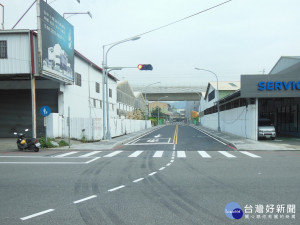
column 45, row 144
column 63, row 143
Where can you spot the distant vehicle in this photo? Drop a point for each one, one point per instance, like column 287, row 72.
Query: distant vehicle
column 266, row 129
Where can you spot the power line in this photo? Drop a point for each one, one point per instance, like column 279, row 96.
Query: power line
column 177, row 21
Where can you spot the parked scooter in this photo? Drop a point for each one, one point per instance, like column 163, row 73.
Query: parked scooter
column 27, row 143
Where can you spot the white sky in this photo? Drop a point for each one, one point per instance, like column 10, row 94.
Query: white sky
column 240, row 37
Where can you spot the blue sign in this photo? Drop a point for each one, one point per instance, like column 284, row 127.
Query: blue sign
column 278, row 85
column 45, row 111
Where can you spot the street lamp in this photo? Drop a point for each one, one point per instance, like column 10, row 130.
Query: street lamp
column 218, row 104
column 159, row 108
column 107, row 135
column 146, row 111
column 76, row 13
column 30, row 8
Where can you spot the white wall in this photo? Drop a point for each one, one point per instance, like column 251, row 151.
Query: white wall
column 240, row 121
column 58, row 127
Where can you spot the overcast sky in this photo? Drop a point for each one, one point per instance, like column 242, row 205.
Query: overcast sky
column 239, row 37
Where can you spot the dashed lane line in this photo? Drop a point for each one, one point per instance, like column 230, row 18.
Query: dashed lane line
column 95, row 196
column 116, row 188
column 37, row 214
column 85, row 199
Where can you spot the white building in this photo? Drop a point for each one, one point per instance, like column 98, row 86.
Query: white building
column 18, row 57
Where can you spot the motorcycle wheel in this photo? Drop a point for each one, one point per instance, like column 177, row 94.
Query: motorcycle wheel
column 21, row 149
column 36, row 149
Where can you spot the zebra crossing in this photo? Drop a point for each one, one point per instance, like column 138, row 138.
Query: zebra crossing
column 158, row 154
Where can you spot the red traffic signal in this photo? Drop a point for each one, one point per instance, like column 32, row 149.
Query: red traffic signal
column 145, row 67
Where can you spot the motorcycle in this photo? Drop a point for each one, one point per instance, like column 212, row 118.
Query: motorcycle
column 27, row 143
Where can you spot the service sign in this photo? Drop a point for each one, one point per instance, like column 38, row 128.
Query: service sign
column 270, row 86
column 57, row 37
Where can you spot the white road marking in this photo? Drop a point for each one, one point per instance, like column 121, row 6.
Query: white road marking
column 151, row 174
column 228, row 155
column 113, row 154
column 37, row 214
column 65, row 154
column 135, row 154
column 169, row 140
column 250, row 154
column 181, row 154
column 204, row 154
column 85, row 199
column 168, row 164
column 162, row 168
column 116, row 188
column 210, row 136
column 158, row 154
column 89, row 154
column 137, row 139
column 172, row 160
column 137, row 180
column 92, row 160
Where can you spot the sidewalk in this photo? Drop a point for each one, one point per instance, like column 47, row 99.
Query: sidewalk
column 241, row 143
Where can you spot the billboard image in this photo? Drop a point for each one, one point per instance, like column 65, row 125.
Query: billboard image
column 57, row 37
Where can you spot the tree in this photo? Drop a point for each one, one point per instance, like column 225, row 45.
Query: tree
column 137, row 114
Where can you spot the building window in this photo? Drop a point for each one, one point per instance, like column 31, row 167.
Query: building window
column 78, row 79
column 211, row 95
column 97, row 87
column 95, row 103
column 112, row 107
column 100, row 104
column 3, row 49
column 110, row 93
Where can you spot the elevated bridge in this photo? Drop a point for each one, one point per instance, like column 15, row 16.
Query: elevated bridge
column 174, row 93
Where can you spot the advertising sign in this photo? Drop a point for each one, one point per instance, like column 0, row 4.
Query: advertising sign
column 57, row 37
column 270, row 86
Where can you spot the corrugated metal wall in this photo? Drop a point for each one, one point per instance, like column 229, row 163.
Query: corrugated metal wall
column 18, row 54
column 15, row 110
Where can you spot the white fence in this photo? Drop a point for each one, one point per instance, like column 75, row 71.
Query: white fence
column 90, row 128
column 240, row 121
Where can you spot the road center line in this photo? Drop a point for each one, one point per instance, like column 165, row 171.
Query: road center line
column 116, row 188
column 37, row 214
column 162, row 168
column 85, row 199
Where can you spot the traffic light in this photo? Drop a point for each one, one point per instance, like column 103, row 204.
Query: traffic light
column 145, row 67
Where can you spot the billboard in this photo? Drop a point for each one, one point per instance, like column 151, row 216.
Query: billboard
column 57, row 45
column 270, row 86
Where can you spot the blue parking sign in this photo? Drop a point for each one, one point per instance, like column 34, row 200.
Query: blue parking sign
column 45, row 111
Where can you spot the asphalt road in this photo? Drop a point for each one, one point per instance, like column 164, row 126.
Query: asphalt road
column 173, row 175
